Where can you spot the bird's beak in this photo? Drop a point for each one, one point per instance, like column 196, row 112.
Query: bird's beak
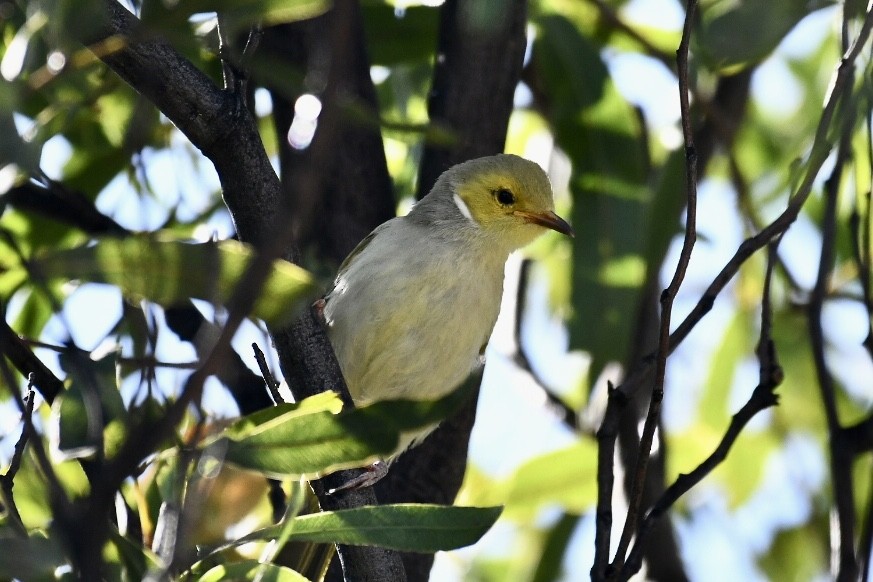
column 547, row 219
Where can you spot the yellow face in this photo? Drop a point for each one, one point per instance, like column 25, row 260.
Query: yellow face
column 509, row 197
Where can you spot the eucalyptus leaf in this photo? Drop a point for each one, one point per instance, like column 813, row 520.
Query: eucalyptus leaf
column 312, row 438
column 170, row 271
column 81, row 414
column 761, row 24
column 401, row 527
column 566, row 477
column 32, row 558
column 252, row 570
column 611, row 213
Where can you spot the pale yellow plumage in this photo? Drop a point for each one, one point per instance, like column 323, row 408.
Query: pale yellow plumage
column 415, row 302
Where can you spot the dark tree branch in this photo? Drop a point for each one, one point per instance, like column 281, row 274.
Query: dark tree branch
column 54, row 200
column 26, row 362
column 762, row 398
column 228, row 136
column 356, row 193
column 270, row 382
column 7, row 480
column 841, row 455
column 478, row 65
column 668, row 296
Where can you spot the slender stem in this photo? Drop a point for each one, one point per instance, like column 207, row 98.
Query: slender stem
column 668, row 296
column 841, row 453
column 7, row 480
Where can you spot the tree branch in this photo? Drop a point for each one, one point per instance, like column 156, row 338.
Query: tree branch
column 215, row 123
column 841, row 455
column 668, row 296
column 7, row 480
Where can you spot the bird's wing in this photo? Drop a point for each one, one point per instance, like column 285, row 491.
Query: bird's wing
column 354, row 254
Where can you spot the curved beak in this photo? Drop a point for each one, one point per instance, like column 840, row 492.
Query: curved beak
column 547, row 219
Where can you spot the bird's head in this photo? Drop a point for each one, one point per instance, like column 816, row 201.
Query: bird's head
column 509, row 199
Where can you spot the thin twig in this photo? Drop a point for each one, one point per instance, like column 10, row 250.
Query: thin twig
column 841, row 455
column 269, row 380
column 861, row 244
column 755, row 224
column 866, row 538
column 7, row 481
column 612, row 17
column 57, row 497
column 762, row 398
column 820, row 151
column 667, row 297
column 565, row 413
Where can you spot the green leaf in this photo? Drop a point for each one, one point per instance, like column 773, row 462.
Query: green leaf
column 566, row 477
column 402, row 527
column 252, row 570
column 601, row 133
column 170, row 271
column 137, row 560
column 549, row 567
column 82, row 413
column 761, row 24
column 400, row 37
column 311, row 439
column 237, row 15
column 32, row 558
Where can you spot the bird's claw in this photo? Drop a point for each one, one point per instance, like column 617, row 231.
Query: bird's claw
column 318, row 310
column 371, row 475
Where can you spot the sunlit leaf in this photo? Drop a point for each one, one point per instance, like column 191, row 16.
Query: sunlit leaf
column 240, row 14
column 566, row 478
column 81, row 414
column 252, row 570
column 32, row 558
column 403, row 527
column 169, row 272
column 761, row 24
column 600, row 132
column 311, row 438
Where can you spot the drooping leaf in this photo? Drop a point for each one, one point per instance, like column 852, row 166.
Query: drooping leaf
column 238, row 15
column 600, row 132
column 311, row 438
column 566, row 477
column 32, row 558
column 761, row 24
column 82, row 413
column 171, row 271
column 252, row 570
column 402, row 527
column 400, row 36
column 549, row 567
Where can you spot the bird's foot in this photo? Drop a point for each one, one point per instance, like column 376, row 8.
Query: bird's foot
column 318, row 310
column 371, row 475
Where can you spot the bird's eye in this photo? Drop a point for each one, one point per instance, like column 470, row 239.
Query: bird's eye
column 504, row 197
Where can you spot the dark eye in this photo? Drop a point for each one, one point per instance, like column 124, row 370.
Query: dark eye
column 504, row 197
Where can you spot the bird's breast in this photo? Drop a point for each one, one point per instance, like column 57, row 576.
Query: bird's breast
column 412, row 326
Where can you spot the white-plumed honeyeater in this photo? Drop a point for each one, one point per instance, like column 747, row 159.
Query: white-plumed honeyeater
column 412, row 307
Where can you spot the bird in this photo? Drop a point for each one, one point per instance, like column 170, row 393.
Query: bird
column 413, row 305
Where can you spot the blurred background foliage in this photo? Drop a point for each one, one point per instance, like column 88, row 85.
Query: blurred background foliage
column 83, row 155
